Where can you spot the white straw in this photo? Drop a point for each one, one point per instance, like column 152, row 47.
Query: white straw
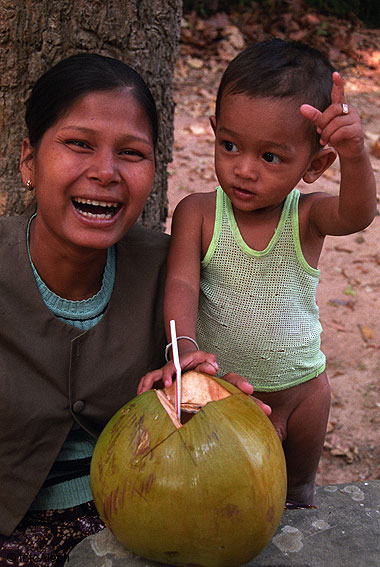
column 177, row 366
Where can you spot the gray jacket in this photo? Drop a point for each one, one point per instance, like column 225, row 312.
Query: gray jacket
column 52, row 374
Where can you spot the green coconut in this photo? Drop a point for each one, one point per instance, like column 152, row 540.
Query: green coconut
column 208, row 492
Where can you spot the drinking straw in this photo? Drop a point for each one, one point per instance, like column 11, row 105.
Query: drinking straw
column 177, row 367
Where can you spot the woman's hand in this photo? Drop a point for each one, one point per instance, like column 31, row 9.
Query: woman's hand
column 195, row 360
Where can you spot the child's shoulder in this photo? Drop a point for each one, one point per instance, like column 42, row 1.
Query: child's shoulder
column 307, row 200
column 197, row 203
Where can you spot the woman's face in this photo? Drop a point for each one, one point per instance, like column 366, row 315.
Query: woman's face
column 93, row 170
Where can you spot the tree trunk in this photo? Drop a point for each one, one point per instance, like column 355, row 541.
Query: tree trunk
column 36, row 34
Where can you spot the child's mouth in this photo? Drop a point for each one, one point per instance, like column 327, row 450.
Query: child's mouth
column 95, row 209
column 242, row 192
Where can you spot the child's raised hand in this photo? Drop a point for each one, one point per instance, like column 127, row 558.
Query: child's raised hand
column 339, row 125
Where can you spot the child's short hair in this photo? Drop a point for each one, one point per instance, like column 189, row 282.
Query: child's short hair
column 278, row 68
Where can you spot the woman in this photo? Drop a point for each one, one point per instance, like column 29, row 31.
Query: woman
column 81, row 303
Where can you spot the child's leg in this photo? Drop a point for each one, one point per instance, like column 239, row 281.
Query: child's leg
column 306, row 430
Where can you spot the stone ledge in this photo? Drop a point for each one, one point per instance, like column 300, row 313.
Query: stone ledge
column 343, row 531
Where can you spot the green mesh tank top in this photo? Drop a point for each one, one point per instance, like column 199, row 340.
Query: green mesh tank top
column 257, row 309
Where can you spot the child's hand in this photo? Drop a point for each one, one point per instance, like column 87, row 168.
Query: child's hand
column 338, row 129
column 202, row 362
column 195, row 360
column 246, row 388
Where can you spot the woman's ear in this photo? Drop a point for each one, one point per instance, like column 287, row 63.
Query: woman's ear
column 27, row 161
column 319, row 163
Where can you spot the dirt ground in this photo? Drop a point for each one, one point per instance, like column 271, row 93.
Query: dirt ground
column 349, row 289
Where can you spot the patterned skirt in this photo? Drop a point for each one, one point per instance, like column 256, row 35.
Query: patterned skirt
column 45, row 538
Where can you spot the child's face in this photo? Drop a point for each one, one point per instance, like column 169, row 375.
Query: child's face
column 263, row 148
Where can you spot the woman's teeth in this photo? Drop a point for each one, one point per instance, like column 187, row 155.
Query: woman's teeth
column 93, row 208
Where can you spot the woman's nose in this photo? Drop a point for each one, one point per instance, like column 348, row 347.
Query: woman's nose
column 104, row 168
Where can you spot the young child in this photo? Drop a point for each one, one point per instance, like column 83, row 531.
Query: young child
column 242, row 271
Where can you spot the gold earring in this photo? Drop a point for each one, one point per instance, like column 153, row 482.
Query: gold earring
column 29, row 185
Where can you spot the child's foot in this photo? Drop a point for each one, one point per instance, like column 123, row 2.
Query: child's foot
column 301, row 496
column 291, row 505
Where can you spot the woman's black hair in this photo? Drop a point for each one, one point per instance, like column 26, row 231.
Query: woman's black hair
column 276, row 68
column 58, row 88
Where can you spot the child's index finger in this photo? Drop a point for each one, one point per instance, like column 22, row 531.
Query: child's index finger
column 337, row 91
column 310, row 112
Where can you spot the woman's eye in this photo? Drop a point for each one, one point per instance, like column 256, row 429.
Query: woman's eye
column 271, row 158
column 230, row 147
column 78, row 143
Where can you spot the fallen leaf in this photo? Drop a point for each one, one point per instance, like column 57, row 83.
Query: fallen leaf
column 376, row 148
column 235, row 37
column 349, row 290
column 366, row 332
column 197, row 130
column 336, row 326
column 312, row 19
column 342, row 249
column 336, row 374
column 350, row 454
column 344, row 302
column 219, row 21
column 195, row 63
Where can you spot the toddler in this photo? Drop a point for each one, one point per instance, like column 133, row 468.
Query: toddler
column 243, row 263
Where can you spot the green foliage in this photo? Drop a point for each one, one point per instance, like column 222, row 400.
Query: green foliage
column 340, row 8
column 323, row 29
column 366, row 10
column 206, row 8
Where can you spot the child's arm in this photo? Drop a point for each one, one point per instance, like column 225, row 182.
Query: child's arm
column 182, row 291
column 183, row 270
column 355, row 207
column 181, row 299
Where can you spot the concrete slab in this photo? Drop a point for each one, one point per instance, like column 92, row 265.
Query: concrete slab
column 343, row 531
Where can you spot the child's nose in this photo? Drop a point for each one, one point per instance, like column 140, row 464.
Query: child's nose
column 246, row 168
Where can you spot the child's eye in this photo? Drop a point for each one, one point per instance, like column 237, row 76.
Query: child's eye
column 230, row 147
column 271, row 158
column 131, row 152
column 135, row 155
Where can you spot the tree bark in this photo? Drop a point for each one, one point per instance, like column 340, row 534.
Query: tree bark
column 35, row 34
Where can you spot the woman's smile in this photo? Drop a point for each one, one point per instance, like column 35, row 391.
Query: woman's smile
column 95, row 209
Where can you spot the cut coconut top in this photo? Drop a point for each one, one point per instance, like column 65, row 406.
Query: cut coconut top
column 198, row 389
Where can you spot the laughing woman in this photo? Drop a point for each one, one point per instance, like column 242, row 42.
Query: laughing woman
column 80, row 299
